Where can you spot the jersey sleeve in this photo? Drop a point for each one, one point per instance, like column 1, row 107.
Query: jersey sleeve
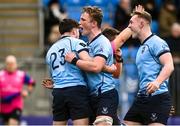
column 81, row 46
column 102, row 50
column 160, row 48
column 28, row 80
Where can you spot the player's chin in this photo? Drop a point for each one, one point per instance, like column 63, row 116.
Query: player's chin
column 134, row 35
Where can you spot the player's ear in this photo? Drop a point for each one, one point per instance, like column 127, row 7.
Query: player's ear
column 94, row 23
column 73, row 31
column 141, row 24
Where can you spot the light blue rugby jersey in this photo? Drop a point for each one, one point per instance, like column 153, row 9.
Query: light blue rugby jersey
column 148, row 64
column 63, row 73
column 101, row 82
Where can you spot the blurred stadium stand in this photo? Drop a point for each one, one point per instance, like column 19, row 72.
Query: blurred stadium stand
column 20, row 28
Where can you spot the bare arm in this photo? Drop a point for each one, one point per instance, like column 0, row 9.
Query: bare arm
column 122, row 37
column 168, row 67
column 126, row 33
column 85, row 57
column 110, row 69
column 95, row 65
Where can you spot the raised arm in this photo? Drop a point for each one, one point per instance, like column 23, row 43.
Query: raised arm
column 96, row 65
column 122, row 38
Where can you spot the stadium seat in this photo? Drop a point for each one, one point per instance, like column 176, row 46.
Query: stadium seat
column 75, row 15
column 76, row 2
column 103, row 3
column 115, row 2
column 45, row 2
column 154, row 26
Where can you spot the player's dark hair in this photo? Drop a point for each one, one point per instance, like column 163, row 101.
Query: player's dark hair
column 66, row 25
column 110, row 33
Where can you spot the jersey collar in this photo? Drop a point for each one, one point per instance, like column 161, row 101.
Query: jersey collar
column 64, row 36
column 147, row 39
column 94, row 38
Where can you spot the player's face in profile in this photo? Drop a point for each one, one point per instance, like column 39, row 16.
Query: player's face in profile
column 134, row 25
column 85, row 24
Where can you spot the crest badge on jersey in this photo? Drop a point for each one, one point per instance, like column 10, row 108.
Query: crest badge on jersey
column 105, row 110
column 153, row 116
column 143, row 49
column 101, row 49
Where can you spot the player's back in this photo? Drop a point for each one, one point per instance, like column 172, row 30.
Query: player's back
column 63, row 73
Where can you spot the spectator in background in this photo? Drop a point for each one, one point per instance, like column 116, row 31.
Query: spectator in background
column 167, row 17
column 178, row 15
column 53, row 14
column 54, row 35
column 174, row 42
column 153, row 10
column 122, row 14
column 12, row 93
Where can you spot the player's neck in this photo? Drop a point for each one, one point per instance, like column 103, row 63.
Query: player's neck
column 67, row 34
column 145, row 34
column 94, row 33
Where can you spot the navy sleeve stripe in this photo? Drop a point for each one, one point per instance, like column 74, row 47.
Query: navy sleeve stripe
column 163, row 53
column 85, row 49
column 101, row 55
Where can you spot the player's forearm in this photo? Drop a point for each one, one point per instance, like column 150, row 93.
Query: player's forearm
column 120, row 68
column 30, row 88
column 108, row 69
column 88, row 66
column 165, row 73
column 122, row 37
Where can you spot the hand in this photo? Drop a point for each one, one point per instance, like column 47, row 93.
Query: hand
column 69, row 56
column 118, row 55
column 139, row 9
column 113, row 68
column 118, row 52
column 47, row 83
column 152, row 87
column 24, row 93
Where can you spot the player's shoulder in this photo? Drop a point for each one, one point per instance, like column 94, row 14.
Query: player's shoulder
column 53, row 47
column 76, row 39
column 103, row 37
column 155, row 41
column 20, row 72
column 2, row 72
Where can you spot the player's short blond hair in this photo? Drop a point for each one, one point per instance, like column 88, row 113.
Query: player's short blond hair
column 95, row 13
column 145, row 15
